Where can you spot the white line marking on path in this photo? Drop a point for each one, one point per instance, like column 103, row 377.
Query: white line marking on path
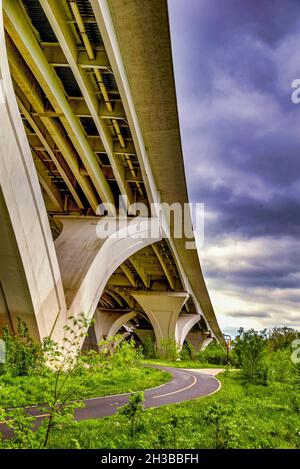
column 179, row 390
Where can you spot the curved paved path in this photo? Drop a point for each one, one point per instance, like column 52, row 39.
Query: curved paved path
column 185, row 385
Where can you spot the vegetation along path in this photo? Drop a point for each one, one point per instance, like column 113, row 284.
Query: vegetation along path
column 185, row 384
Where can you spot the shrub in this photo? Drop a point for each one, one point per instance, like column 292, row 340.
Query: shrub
column 219, row 417
column 186, row 352
column 114, row 351
column 214, row 353
column 169, row 349
column 23, row 354
column 148, row 347
column 133, row 410
column 250, row 349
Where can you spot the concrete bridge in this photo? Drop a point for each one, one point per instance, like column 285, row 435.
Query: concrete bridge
column 88, row 121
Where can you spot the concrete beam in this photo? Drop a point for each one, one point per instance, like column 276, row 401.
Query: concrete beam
column 48, row 185
column 128, row 274
column 160, row 258
column 140, row 271
column 56, row 16
column 97, row 146
column 33, row 93
column 21, row 32
column 81, row 109
column 56, row 58
column 48, row 145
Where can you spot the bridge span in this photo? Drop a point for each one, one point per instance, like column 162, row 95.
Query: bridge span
column 92, row 175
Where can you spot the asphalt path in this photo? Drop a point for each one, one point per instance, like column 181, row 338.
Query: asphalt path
column 184, row 385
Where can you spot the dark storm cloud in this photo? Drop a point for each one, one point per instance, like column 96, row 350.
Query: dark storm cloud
column 215, row 41
column 234, row 64
column 246, row 216
column 267, row 263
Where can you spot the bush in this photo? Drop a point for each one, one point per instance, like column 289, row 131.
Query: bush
column 23, row 355
column 278, row 367
column 133, row 410
column 186, row 352
column 169, row 350
column 120, row 353
column 148, row 348
column 214, row 353
column 250, row 349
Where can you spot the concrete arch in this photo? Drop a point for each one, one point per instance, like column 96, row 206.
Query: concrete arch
column 27, row 215
column 184, row 324
column 89, row 251
column 120, row 322
column 107, row 324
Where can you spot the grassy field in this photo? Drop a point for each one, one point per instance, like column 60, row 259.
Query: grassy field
column 27, row 390
column 240, row 415
column 180, row 363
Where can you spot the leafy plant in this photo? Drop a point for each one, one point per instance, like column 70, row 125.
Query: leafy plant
column 186, row 352
column 218, row 416
column 250, row 348
column 23, row 354
column 133, row 410
column 169, row 349
column 148, row 347
column 214, row 353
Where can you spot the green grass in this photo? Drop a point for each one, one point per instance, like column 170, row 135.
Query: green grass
column 181, row 363
column 259, row 417
column 28, row 390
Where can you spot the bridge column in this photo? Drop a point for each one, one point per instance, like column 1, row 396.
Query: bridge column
column 108, row 324
column 30, row 281
column 199, row 340
column 143, row 334
column 162, row 309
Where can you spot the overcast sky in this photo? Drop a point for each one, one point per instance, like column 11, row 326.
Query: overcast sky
column 234, row 64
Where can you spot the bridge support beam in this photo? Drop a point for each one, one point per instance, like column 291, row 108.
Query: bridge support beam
column 184, row 325
column 90, row 250
column 30, row 281
column 143, row 334
column 199, row 340
column 162, row 309
column 107, row 324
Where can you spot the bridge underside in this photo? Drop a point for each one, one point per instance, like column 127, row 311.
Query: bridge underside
column 88, row 114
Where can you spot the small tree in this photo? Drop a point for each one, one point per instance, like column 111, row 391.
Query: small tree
column 133, row 410
column 250, row 348
column 175, row 421
column 280, row 338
